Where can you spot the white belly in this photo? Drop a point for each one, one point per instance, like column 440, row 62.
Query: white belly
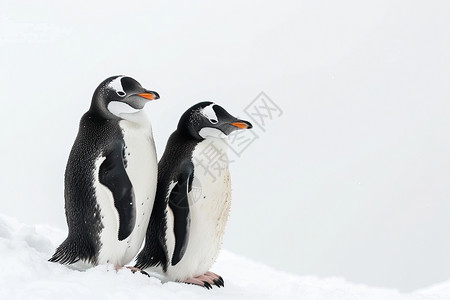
column 209, row 205
column 142, row 170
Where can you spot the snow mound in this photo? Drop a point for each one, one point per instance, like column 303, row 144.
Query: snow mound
column 26, row 274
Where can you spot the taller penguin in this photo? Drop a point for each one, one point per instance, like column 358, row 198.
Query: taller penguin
column 110, row 178
column 193, row 197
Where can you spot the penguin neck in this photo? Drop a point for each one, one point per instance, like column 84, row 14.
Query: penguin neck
column 186, row 135
column 219, row 143
column 211, row 156
column 138, row 119
column 99, row 109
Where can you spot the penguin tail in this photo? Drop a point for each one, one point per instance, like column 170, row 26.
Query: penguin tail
column 152, row 255
column 67, row 253
column 145, row 260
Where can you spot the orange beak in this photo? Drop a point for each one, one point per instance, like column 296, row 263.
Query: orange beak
column 239, row 125
column 148, row 96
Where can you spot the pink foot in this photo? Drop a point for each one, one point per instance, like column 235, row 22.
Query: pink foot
column 206, row 280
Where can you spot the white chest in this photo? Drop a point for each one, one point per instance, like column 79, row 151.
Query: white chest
column 141, row 168
column 209, row 206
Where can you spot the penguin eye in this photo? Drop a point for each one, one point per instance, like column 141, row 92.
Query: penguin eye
column 120, row 93
column 213, row 121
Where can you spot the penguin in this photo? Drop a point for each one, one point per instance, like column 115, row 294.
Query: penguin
column 193, row 198
column 110, row 178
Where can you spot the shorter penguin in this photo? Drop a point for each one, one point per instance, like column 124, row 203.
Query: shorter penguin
column 193, row 197
column 110, row 178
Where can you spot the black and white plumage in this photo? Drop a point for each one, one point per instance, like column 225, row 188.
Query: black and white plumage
column 192, row 203
column 110, row 178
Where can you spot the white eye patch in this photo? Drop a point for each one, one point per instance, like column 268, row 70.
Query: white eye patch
column 116, row 85
column 117, row 108
column 209, row 112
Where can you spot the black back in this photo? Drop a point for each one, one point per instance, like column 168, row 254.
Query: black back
column 178, row 153
column 82, row 212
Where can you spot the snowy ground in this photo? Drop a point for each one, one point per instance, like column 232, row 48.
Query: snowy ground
column 26, row 274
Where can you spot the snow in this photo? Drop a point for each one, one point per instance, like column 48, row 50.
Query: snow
column 26, row 274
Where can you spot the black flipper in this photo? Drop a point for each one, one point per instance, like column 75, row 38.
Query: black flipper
column 113, row 175
column 179, row 204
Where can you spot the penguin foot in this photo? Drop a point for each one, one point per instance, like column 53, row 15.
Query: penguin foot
column 218, row 280
column 197, row 281
column 134, row 270
column 207, row 280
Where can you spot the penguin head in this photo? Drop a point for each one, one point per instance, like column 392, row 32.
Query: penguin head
column 207, row 119
column 120, row 97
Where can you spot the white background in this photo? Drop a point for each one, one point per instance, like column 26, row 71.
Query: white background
column 352, row 180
